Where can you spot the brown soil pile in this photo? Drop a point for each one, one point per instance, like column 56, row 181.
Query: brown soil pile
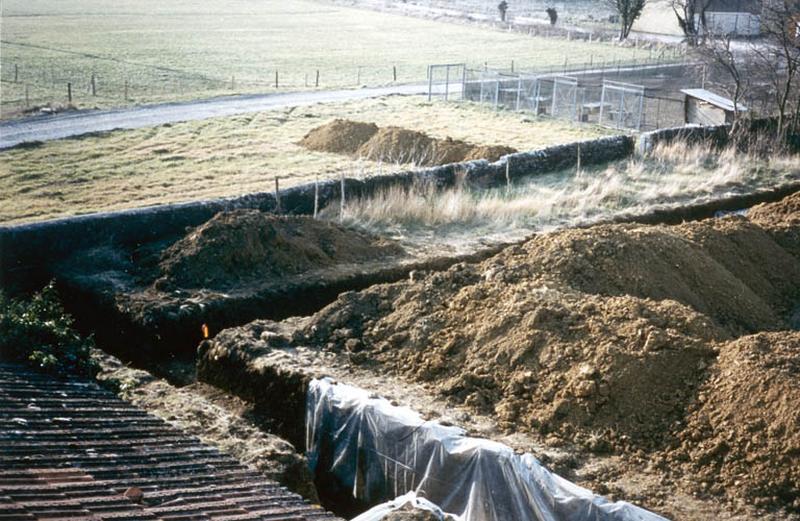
column 783, row 212
column 598, row 371
column 340, row 136
column 248, row 244
column 490, row 153
column 602, row 337
column 728, row 269
column 395, row 144
column 781, row 220
column 743, row 434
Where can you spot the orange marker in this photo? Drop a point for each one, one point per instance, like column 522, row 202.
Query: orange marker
column 204, row 329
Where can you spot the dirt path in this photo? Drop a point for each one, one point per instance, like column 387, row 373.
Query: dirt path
column 50, row 127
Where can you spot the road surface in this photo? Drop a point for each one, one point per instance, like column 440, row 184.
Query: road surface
column 71, row 124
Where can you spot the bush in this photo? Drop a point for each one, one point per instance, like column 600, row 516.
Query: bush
column 40, row 333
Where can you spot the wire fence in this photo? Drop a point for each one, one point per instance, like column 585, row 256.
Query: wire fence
column 26, row 87
column 631, row 95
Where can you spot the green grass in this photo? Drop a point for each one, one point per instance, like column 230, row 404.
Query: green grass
column 181, row 49
column 235, row 155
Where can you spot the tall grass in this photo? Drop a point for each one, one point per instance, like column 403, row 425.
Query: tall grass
column 672, row 175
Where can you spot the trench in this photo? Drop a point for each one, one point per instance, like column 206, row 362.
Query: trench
column 168, row 347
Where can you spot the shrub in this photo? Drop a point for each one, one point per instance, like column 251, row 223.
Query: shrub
column 40, row 333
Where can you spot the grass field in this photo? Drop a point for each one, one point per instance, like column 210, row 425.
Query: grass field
column 236, row 155
column 183, row 49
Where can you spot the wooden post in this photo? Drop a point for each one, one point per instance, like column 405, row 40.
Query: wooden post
column 512, row 66
column 94, row 86
column 276, row 79
column 316, row 196
column 306, row 80
column 277, row 196
column 233, row 82
column 69, row 92
column 316, row 82
column 27, row 97
column 16, row 73
column 358, row 77
column 341, row 201
column 126, row 90
column 394, row 72
column 578, row 162
column 508, row 174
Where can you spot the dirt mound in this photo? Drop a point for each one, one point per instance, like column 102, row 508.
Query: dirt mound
column 395, row 144
column 248, row 244
column 781, row 219
column 399, row 145
column 783, row 212
column 600, row 335
column 490, row 153
column 743, row 435
column 340, row 136
column 728, row 269
column 597, row 371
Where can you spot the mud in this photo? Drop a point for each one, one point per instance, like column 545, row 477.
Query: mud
column 396, row 145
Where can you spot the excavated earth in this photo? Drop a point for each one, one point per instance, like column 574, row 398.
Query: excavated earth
column 663, row 359
column 395, row 144
column 151, row 301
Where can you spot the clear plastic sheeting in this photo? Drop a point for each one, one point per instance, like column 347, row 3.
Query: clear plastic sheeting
column 377, row 513
column 376, row 451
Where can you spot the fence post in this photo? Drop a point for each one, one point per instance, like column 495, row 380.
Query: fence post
column 27, row 97
column 94, row 86
column 358, row 77
column 276, row 79
column 316, row 196
column 16, row 73
column 69, row 92
column 233, row 82
column 512, row 66
column 277, row 196
column 316, row 81
column 430, row 82
column 341, row 200
column 394, row 73
column 578, row 161
column 126, row 90
column 447, row 82
column 508, row 174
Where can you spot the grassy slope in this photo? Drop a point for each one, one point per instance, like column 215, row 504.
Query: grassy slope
column 230, row 156
column 200, row 46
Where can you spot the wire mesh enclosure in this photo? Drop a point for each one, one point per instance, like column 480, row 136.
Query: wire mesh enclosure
column 621, row 105
column 650, row 100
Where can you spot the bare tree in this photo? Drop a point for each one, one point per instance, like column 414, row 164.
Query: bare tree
column 629, row 11
column 720, row 55
column 778, row 59
column 691, row 16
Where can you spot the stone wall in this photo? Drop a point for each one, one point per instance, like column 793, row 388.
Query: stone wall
column 27, row 250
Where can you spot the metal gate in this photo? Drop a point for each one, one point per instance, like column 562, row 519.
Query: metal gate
column 622, row 105
column 446, row 80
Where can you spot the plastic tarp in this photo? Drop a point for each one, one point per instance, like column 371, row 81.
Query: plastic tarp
column 378, row 512
column 376, row 451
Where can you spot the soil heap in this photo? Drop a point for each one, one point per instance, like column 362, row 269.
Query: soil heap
column 340, row 136
column 742, row 435
column 609, row 337
column 395, row 144
column 781, row 219
column 249, row 244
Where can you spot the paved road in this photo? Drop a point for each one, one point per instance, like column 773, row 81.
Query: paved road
column 49, row 127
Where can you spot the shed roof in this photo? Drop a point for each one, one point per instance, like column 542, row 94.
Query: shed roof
column 714, row 99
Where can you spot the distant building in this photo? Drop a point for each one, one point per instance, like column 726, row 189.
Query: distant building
column 739, row 17
column 703, row 107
